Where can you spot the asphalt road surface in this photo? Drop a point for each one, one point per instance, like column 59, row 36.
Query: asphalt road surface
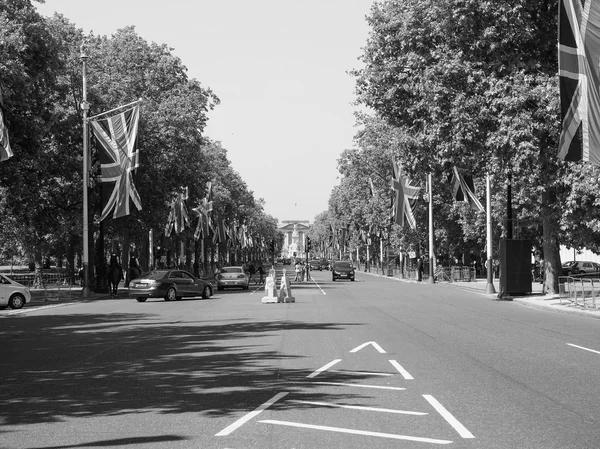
column 375, row 363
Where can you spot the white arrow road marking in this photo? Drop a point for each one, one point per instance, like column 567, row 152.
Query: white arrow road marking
column 323, row 368
column 243, row 420
column 355, row 432
column 375, row 345
column 340, row 384
column 462, row 430
column 585, row 349
column 359, row 407
column 401, row 370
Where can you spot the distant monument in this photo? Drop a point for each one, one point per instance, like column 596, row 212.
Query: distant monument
column 294, row 232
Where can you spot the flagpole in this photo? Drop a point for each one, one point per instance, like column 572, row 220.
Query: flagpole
column 489, row 288
column 85, row 106
column 431, row 279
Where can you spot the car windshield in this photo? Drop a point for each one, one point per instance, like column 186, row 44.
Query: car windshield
column 343, row 265
column 232, row 270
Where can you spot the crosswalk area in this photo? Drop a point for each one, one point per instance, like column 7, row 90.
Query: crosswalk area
column 348, row 406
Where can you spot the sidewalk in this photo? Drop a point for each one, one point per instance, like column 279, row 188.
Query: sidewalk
column 536, row 299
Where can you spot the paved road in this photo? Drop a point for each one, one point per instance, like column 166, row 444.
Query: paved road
column 373, row 363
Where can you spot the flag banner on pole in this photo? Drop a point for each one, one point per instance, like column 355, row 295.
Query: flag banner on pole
column 5, row 150
column 405, row 199
column 579, row 79
column 119, row 157
column 178, row 215
column 331, row 236
column 463, row 189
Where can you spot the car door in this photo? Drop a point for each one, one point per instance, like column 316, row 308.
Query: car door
column 189, row 284
column 3, row 294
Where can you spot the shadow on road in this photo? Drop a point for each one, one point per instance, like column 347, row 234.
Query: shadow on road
column 56, row 367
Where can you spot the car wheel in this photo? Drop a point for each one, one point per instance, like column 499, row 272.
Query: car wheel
column 16, row 301
column 171, row 294
column 333, row 279
column 206, row 293
column 352, row 279
column 245, row 287
column 141, row 299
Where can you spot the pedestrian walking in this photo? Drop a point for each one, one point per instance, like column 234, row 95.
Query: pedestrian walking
column 420, row 270
column 308, row 272
column 297, row 269
column 260, row 272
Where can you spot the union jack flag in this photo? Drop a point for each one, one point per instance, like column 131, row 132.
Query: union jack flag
column 178, row 215
column 579, row 77
column 405, row 199
column 204, row 210
column 119, row 157
column 5, row 150
column 463, row 189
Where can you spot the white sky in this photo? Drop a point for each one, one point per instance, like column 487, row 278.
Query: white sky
column 279, row 68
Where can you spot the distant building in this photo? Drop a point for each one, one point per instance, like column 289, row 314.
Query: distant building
column 295, row 232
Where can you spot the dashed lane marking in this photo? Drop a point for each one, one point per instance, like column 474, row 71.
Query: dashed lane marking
column 240, row 422
column 362, row 373
column 401, row 370
column 359, row 407
column 462, row 430
column 355, row 432
column 378, row 387
column 585, row 349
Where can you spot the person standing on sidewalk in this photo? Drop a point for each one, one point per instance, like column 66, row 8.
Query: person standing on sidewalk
column 308, row 272
column 260, row 272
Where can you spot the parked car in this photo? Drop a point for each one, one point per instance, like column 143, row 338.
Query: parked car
column 316, row 265
column 12, row 293
column 170, row 285
column 342, row 270
column 580, row 267
column 233, row 277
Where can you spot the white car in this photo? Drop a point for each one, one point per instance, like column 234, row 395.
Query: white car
column 233, row 277
column 12, row 293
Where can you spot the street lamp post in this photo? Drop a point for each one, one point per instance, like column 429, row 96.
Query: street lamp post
column 85, row 106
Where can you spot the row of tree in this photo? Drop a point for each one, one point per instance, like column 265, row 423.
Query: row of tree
column 41, row 185
column 469, row 84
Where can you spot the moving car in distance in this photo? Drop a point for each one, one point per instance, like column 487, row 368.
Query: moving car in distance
column 316, row 265
column 170, row 285
column 342, row 269
column 233, row 277
column 12, row 293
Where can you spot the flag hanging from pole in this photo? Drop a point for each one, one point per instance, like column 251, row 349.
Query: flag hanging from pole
column 405, row 198
column 119, row 157
column 463, row 189
column 5, row 150
column 178, row 215
column 579, row 78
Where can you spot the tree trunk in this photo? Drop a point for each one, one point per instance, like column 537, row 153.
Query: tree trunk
column 552, row 267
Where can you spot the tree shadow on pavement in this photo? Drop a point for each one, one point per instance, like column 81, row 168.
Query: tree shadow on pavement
column 56, row 367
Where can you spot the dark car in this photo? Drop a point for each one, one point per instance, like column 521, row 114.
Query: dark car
column 316, row 265
column 170, row 285
column 342, row 270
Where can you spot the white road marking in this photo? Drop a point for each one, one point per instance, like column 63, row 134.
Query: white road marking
column 355, row 432
column 401, row 370
column 362, row 373
column 375, row 345
column 585, row 349
column 323, row 368
column 240, row 422
column 340, row 384
column 319, row 287
column 359, row 407
column 462, row 430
